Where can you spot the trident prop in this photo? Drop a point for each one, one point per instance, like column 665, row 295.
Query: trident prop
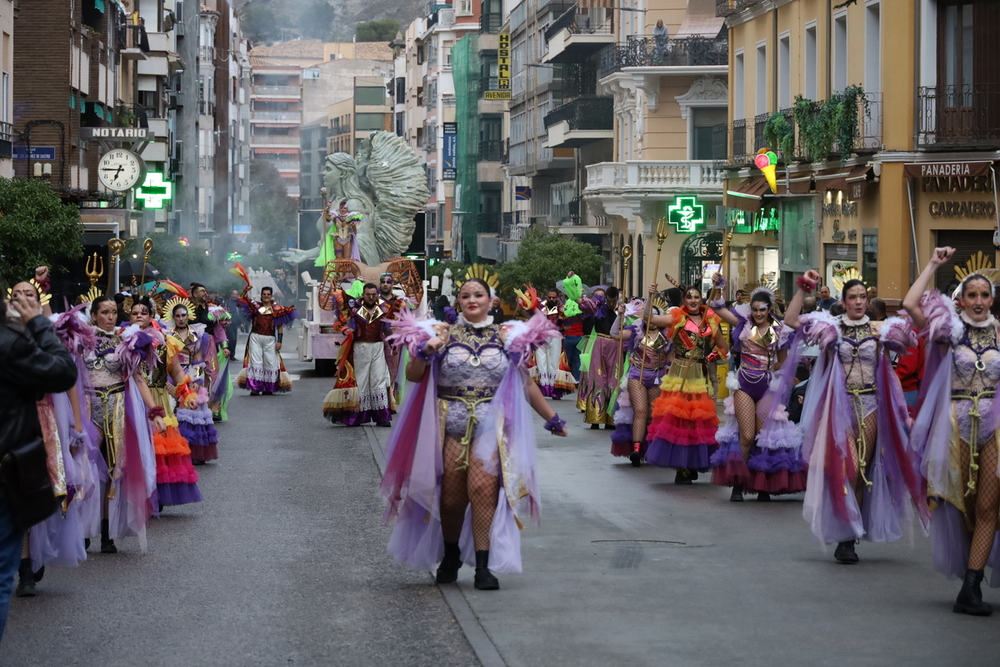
column 661, row 236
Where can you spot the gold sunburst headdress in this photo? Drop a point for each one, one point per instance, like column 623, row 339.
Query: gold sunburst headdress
column 43, row 298
column 660, row 305
column 846, row 275
column 979, row 264
column 168, row 307
column 480, row 271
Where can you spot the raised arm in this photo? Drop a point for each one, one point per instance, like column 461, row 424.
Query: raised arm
column 911, row 302
column 720, row 307
column 807, row 284
column 665, row 321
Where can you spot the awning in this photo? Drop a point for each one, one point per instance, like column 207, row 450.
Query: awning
column 945, row 169
column 584, row 4
column 263, row 148
column 748, row 195
column 831, row 179
column 701, row 26
column 857, row 182
column 800, row 183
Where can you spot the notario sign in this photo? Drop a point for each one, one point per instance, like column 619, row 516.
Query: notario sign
column 116, row 133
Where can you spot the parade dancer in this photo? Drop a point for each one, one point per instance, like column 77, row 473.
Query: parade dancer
column 649, row 355
column 684, row 417
column 194, row 418
column 601, row 361
column 369, row 399
column 340, row 241
column 854, row 423
column 391, row 304
column 750, row 459
column 122, row 409
column 176, row 478
column 956, row 429
column 263, row 370
column 460, row 462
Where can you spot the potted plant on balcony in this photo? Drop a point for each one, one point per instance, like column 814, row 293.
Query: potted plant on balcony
column 126, row 118
column 830, row 126
column 779, row 134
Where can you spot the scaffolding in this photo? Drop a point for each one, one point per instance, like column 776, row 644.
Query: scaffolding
column 465, row 56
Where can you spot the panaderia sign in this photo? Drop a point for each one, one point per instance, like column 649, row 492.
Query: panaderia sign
column 942, row 181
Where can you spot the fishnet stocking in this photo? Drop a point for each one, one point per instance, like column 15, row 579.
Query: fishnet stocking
column 26, row 546
column 746, row 417
column 459, row 488
column 641, row 398
column 987, row 506
column 870, row 425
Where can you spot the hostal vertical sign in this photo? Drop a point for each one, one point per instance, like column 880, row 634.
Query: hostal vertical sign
column 503, row 71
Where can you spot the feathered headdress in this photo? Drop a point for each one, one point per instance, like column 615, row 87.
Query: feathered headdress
column 240, row 272
column 43, row 298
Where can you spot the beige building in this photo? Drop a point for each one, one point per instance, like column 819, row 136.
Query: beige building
column 670, row 99
column 884, row 117
column 368, row 110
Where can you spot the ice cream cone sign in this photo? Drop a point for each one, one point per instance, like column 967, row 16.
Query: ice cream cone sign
column 767, row 162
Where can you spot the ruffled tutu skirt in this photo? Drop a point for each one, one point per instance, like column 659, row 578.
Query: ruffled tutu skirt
column 684, row 426
column 197, row 428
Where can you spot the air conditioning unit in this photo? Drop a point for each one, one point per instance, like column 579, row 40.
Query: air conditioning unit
column 176, row 101
column 446, row 17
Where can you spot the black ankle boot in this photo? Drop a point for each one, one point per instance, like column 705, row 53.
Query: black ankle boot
column 447, row 572
column 25, row 580
column 683, row 476
column 845, row 553
column 970, row 598
column 636, row 456
column 485, row 581
column 107, row 544
column 737, row 495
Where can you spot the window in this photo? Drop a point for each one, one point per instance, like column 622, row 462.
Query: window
column 873, row 48
column 464, row 7
column 364, row 122
column 840, row 52
column 809, row 76
column 708, row 124
column 739, row 81
column 369, row 96
column 784, row 72
column 761, row 76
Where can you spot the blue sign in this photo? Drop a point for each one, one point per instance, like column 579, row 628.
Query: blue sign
column 37, row 153
column 449, row 157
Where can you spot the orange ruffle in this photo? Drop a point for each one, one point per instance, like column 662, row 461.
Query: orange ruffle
column 697, row 408
column 170, row 443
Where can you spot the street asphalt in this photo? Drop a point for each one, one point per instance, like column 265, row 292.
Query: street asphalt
column 285, row 563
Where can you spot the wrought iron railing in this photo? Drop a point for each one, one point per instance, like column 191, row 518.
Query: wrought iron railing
column 580, row 22
column 647, row 51
column 730, row 7
column 740, row 153
column 488, row 83
column 966, row 116
column 489, row 223
column 514, row 225
column 490, row 150
column 577, row 80
column 591, row 112
column 490, row 23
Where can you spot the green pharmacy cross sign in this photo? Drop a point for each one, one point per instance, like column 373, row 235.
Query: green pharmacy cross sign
column 686, row 215
column 155, row 191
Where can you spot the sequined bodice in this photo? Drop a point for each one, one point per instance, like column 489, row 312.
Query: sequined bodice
column 474, row 357
column 701, row 337
column 656, row 349
column 858, row 354
column 102, row 362
column 157, row 377
column 187, row 354
column 759, row 349
column 976, row 361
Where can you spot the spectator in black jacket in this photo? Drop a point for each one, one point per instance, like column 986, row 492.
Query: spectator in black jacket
column 798, row 392
column 33, row 362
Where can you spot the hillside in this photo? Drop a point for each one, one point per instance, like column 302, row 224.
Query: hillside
column 286, row 15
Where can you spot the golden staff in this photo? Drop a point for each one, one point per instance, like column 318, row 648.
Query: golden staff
column 626, row 258
column 147, row 245
column 661, row 236
column 94, row 268
column 724, row 266
column 117, row 247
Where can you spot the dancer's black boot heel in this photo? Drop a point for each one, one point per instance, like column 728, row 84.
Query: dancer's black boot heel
column 970, row 598
column 485, row 581
column 107, row 544
column 447, row 572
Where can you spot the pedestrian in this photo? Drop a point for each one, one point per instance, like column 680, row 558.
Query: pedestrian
column 854, row 418
column 684, row 417
column 798, row 395
column 552, row 370
column 32, row 363
column 194, row 417
column 649, row 355
column 122, row 410
column 956, row 428
column 176, row 478
column 825, row 301
column 604, row 360
column 751, row 458
column 878, row 312
column 660, row 42
column 367, row 395
column 465, row 438
column 263, row 370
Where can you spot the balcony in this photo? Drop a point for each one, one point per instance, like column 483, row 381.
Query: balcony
column 647, row 178
column 275, row 116
column 959, row 117
column 276, row 140
column 6, row 140
column 490, row 150
column 577, row 34
column 276, row 91
column 685, row 55
column 490, row 23
column 136, row 44
column 727, row 8
column 514, row 225
column 580, row 122
column 489, row 223
column 863, row 125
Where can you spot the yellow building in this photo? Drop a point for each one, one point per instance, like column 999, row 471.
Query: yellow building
column 884, row 117
column 670, row 99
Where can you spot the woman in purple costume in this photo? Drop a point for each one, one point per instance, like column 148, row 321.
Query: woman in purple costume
column 195, row 423
column 649, row 356
column 960, row 464
column 465, row 437
column 748, row 457
column 854, row 417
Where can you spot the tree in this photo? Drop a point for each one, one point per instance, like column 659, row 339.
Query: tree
column 260, row 24
column 273, row 214
column 36, row 229
column 544, row 258
column 316, row 20
column 383, row 30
